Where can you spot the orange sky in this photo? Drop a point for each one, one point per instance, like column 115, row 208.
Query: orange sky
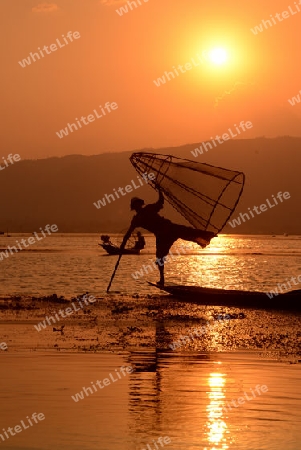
column 117, row 58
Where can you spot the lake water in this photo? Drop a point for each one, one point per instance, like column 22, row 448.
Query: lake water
column 179, row 396
column 74, row 264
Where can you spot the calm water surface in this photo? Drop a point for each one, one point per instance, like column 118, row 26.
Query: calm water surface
column 180, row 396
column 74, row 264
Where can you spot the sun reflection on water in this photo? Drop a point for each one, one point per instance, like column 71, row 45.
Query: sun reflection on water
column 216, row 426
column 215, row 267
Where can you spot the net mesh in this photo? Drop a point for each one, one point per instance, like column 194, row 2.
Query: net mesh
column 205, row 195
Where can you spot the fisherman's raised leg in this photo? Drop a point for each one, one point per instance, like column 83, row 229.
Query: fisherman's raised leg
column 200, row 237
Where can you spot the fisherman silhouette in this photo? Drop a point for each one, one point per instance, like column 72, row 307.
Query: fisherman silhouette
column 165, row 231
column 106, row 239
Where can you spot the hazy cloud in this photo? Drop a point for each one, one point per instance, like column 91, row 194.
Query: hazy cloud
column 237, row 85
column 45, row 8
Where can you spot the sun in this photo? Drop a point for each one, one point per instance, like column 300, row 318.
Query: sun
column 218, row 56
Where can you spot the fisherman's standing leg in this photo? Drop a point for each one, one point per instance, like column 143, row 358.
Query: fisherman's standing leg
column 160, row 264
column 163, row 245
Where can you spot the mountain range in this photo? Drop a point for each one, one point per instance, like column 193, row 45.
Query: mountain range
column 65, row 190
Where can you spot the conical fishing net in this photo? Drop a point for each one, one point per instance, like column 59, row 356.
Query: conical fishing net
column 205, row 195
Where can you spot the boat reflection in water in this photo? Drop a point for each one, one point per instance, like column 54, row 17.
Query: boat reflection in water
column 169, row 396
column 180, row 396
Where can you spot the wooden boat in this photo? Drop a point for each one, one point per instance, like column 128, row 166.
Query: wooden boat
column 289, row 301
column 114, row 250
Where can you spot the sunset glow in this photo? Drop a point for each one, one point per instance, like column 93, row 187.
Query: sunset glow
column 150, row 228
column 218, row 56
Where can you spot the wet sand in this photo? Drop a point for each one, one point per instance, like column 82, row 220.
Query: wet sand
column 115, row 323
column 181, row 393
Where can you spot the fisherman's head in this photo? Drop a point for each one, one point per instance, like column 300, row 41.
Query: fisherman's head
column 136, row 203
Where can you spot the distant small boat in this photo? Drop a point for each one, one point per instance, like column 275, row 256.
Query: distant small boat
column 114, row 250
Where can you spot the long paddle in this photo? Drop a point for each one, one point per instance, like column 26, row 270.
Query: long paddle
column 118, row 261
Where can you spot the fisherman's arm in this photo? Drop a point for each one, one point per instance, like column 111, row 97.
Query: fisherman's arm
column 160, row 203
column 161, row 198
